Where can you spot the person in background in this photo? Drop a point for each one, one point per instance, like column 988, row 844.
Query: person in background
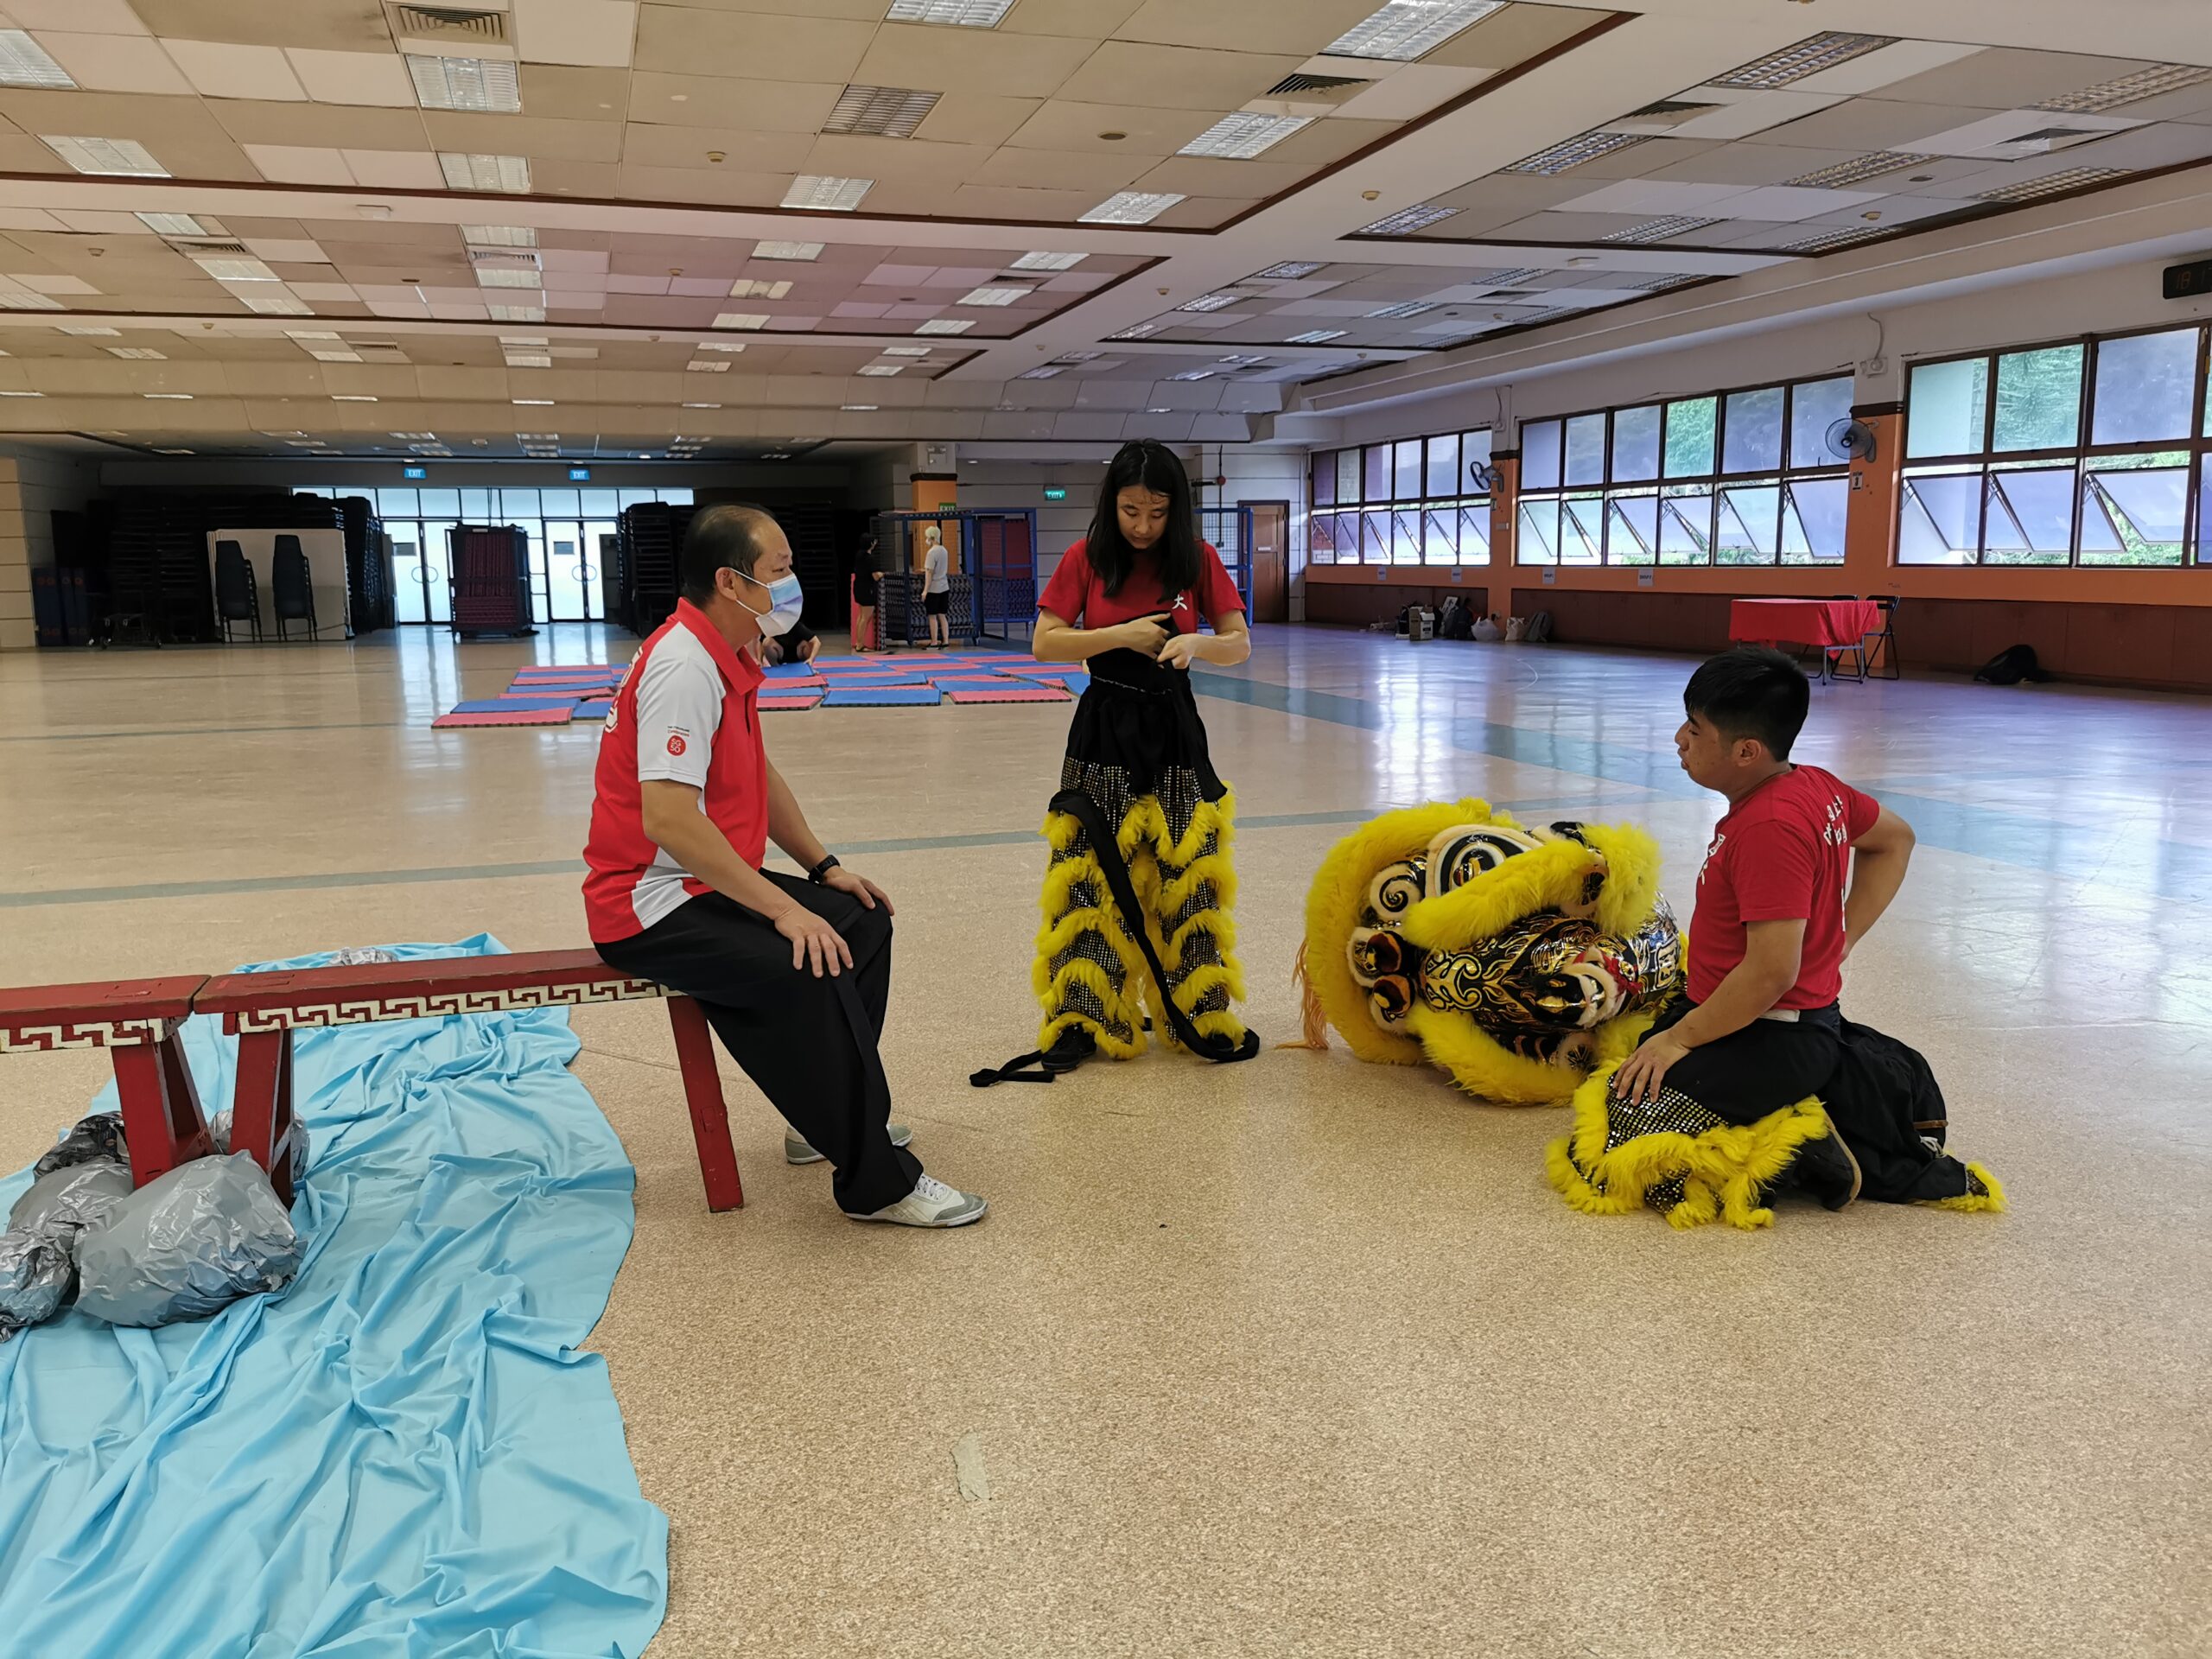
column 794, row 974
column 1138, row 884
column 1800, row 868
column 864, row 599
column 936, row 590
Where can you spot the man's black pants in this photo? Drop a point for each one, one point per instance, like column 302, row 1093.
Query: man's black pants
column 808, row 1044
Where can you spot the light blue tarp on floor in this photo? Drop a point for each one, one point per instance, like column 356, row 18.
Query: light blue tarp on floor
column 400, row 1455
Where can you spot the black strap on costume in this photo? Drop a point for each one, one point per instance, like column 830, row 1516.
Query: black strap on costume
column 1087, row 813
column 1017, row 1070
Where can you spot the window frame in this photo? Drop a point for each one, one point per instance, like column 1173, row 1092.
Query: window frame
column 2195, row 445
column 1431, row 546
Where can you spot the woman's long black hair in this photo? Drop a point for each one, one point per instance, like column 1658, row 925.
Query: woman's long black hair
column 1149, row 464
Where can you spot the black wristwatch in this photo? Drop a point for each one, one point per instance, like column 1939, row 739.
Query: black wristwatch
column 828, row 863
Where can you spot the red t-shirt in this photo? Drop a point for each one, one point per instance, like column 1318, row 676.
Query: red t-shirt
column 1782, row 854
column 1077, row 596
column 688, row 711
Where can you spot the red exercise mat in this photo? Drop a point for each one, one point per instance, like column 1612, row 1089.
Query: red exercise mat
column 1008, row 692
column 560, row 716
column 790, row 699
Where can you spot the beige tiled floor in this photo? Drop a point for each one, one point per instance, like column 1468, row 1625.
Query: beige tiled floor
column 1300, row 1357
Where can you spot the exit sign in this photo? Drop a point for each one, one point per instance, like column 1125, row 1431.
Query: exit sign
column 414, row 472
column 579, row 475
column 1056, row 495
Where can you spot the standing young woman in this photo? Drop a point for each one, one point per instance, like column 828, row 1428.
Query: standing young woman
column 1139, row 887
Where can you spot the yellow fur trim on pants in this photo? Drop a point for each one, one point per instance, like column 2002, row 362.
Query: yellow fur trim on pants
column 1722, row 1170
column 1990, row 1201
column 1065, row 922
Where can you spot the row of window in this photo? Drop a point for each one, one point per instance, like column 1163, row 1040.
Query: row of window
column 2096, row 452
column 500, row 506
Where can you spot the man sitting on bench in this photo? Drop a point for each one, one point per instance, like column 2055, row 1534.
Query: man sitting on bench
column 793, row 974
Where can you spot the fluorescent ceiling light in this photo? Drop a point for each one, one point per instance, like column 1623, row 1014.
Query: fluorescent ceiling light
column 167, row 397
column 2053, row 184
column 1859, row 167
column 1243, row 360
column 720, row 346
column 67, row 329
column 787, row 251
column 234, row 270
column 751, row 288
column 943, row 326
column 882, row 368
column 1315, row 336
column 1406, row 308
column 1573, row 152
column 465, row 84
column 532, row 403
column 274, row 301
column 703, row 405
column 111, row 155
column 993, row 295
column 472, row 170
column 159, row 451
column 709, row 366
column 350, row 398
column 516, row 313
column 1193, row 374
column 309, row 334
column 1131, row 207
column 1831, row 240
column 1241, row 136
column 1658, row 230
column 963, row 14
column 1135, row 331
column 23, row 299
column 1405, row 29
column 23, row 62
column 178, row 224
column 1289, row 270
column 530, row 360
column 1215, row 302
column 859, row 408
column 503, row 276
column 1044, row 372
column 1808, row 57
column 500, row 236
column 1048, row 262
column 2128, row 89
column 827, row 192
column 906, row 351
column 1078, row 357
column 22, row 394
column 1407, row 221
column 742, row 320
column 881, row 112
column 140, row 353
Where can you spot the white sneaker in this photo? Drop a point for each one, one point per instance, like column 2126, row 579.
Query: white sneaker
column 931, row 1204
column 796, row 1150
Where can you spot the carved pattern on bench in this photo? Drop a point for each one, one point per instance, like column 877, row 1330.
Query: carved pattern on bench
column 361, row 1011
column 99, row 1034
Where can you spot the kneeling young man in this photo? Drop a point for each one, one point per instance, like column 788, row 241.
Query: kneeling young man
column 1799, row 869
column 793, row 976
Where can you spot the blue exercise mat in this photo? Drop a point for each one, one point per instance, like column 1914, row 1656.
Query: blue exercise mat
column 881, row 696
column 594, row 710
column 493, row 705
column 403, row 1452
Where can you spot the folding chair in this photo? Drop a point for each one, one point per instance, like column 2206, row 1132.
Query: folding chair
column 1881, row 646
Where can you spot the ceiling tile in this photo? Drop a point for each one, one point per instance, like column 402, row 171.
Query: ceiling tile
column 286, row 250
column 395, row 169
column 1066, row 125
column 746, row 152
column 342, row 28
column 1305, row 26
column 321, row 126
column 1868, row 123
column 576, row 94
column 588, row 32
column 716, row 185
column 1203, row 212
column 677, row 40
column 79, row 17
column 706, row 101
column 989, row 201
column 1200, row 176
column 1100, row 174
column 855, row 155
column 116, row 63
column 376, row 78
column 1515, row 34
column 975, row 118
column 1174, row 77
column 539, row 137
column 217, row 70
column 1649, row 198
column 1785, row 204
column 299, row 164
column 1091, row 20
column 942, row 59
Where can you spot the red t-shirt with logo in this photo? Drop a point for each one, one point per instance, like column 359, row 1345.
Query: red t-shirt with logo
column 1078, row 597
column 689, row 712
column 1782, row 854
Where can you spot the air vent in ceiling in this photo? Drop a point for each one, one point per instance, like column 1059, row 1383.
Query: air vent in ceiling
column 379, row 351
column 193, row 249
column 1290, row 84
column 2043, row 140
column 1671, row 106
column 450, row 25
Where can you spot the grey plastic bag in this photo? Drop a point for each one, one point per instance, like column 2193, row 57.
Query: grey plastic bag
column 95, row 1136
column 187, row 1245
column 36, row 1268
column 219, row 1130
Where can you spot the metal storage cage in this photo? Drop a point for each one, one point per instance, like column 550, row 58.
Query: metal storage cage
column 490, row 568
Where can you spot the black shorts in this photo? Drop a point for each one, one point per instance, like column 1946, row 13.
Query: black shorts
column 937, row 604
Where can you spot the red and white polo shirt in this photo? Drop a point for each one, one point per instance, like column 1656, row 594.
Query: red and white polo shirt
column 688, row 711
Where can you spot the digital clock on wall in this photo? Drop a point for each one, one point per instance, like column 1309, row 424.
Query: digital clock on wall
column 2189, row 281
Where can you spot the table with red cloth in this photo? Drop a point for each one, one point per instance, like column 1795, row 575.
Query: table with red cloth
column 1828, row 622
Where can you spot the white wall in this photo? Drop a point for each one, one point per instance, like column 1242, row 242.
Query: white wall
column 2097, row 302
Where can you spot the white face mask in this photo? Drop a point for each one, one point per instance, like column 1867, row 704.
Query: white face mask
column 786, row 599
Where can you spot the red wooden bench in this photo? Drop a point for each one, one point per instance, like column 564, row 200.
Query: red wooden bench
column 263, row 1010
column 136, row 1020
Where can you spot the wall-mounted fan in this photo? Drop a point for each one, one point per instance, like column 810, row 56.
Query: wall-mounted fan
column 1850, row 440
column 1483, row 476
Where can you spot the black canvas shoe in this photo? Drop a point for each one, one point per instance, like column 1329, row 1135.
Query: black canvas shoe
column 1826, row 1169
